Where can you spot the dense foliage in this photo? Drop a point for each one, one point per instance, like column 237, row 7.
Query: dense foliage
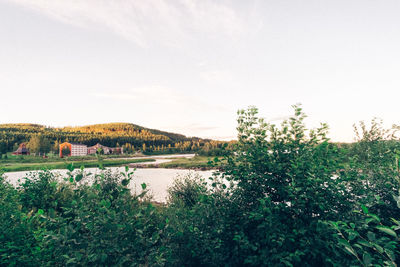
column 48, row 223
column 286, row 196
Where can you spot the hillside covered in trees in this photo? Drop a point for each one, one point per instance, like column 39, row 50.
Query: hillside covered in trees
column 130, row 136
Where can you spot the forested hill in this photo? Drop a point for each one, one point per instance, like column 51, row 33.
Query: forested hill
column 109, row 134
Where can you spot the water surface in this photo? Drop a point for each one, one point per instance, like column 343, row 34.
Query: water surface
column 157, row 179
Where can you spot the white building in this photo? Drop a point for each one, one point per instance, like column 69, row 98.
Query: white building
column 74, row 149
column 78, row 149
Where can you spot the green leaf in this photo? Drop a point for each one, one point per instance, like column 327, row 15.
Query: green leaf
column 379, row 248
column 345, row 243
column 387, row 230
column 78, row 177
column 353, row 235
column 371, row 236
column 105, row 203
column 143, row 186
column 125, row 182
column 376, row 218
column 40, row 211
column 396, row 221
column 364, row 243
column 70, row 167
column 364, row 209
column 368, row 220
column 351, row 251
column 126, row 168
column 367, row 259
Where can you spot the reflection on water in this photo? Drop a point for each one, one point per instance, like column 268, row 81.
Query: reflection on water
column 158, row 180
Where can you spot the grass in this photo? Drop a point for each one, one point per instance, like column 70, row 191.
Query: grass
column 29, row 163
column 13, row 167
column 197, row 162
column 55, row 158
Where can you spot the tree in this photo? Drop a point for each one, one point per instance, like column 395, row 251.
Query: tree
column 15, row 147
column 56, row 147
column 100, row 151
column 284, row 191
column 374, row 167
column 66, row 151
column 39, row 144
column 3, row 148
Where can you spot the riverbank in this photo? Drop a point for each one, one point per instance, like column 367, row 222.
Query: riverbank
column 22, row 166
column 200, row 163
column 176, row 161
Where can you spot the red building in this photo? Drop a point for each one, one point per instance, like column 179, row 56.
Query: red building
column 22, row 150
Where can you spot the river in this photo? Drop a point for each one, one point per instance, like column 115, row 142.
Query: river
column 157, row 179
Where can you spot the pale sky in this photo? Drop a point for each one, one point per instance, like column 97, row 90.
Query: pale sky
column 187, row 66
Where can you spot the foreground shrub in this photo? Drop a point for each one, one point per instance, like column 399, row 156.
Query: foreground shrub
column 274, row 210
column 38, row 190
column 285, row 185
column 197, row 224
column 101, row 223
column 187, row 190
column 369, row 241
column 373, row 170
column 17, row 238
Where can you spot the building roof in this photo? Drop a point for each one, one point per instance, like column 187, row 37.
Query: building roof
column 75, row 144
column 99, row 146
column 22, row 149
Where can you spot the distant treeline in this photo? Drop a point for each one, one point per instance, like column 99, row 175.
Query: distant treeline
column 131, row 137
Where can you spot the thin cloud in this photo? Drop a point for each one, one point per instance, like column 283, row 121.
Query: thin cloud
column 199, row 130
column 162, row 97
column 279, row 118
column 144, row 22
column 223, row 138
column 196, row 127
column 217, row 76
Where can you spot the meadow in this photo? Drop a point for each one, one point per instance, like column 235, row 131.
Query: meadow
column 30, row 163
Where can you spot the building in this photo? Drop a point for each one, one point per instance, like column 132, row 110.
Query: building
column 107, row 150
column 73, row 149
column 96, row 147
column 117, row 150
column 22, row 150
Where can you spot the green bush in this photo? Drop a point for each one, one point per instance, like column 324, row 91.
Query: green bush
column 285, row 184
column 369, row 241
column 186, row 190
column 17, row 237
column 274, row 211
column 77, row 223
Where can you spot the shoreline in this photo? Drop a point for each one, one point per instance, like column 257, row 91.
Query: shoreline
column 170, row 161
column 66, row 164
column 159, row 166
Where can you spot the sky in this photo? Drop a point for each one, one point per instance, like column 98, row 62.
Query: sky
column 187, row 66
